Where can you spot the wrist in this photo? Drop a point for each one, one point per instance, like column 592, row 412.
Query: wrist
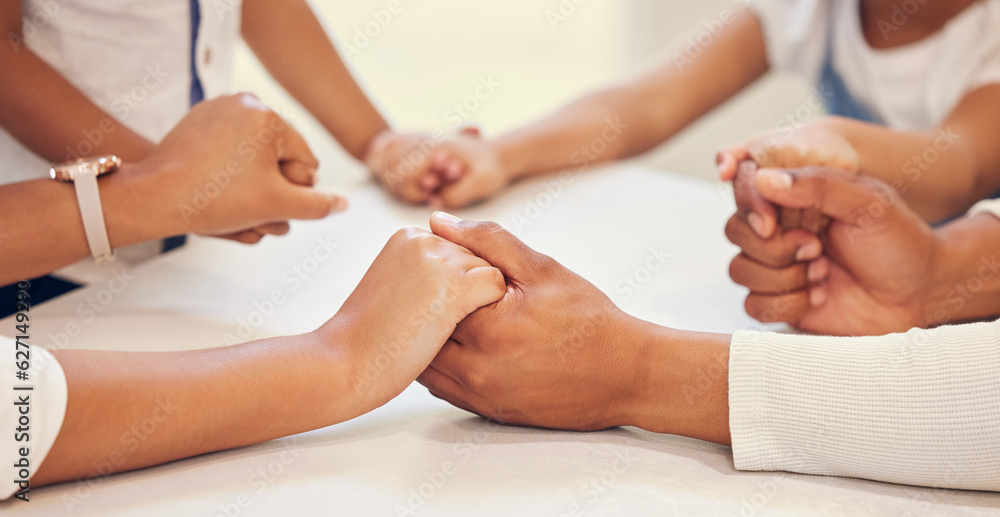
column 137, row 207
column 964, row 272
column 685, row 379
column 512, row 158
column 372, row 154
column 331, row 353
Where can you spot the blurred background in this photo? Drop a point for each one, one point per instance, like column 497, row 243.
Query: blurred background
column 432, row 54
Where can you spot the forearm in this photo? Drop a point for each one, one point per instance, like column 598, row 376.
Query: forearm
column 43, row 111
column 132, row 410
column 292, row 45
column 636, row 117
column 966, row 285
column 37, row 242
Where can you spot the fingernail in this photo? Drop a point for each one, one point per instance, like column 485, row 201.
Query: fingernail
column 817, row 296
column 339, row 204
column 778, row 180
column 817, row 270
column 809, row 252
column 757, row 223
column 446, row 218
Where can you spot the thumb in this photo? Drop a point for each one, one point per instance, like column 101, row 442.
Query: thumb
column 833, row 192
column 728, row 161
column 301, row 202
column 489, row 241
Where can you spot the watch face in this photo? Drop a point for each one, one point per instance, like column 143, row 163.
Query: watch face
column 101, row 165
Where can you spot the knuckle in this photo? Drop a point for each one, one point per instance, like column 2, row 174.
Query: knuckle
column 752, row 306
column 477, row 380
column 736, row 269
column 732, row 230
column 776, row 252
column 249, row 238
column 405, row 237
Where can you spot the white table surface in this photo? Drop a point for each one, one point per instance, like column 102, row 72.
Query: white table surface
column 601, row 225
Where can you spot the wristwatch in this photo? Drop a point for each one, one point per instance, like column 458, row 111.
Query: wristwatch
column 83, row 173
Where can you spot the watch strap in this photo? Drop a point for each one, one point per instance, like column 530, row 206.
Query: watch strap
column 89, row 198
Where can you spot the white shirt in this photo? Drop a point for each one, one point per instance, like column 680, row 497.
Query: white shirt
column 909, row 88
column 133, row 59
column 45, row 406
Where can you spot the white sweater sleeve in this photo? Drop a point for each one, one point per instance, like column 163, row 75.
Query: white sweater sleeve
column 920, row 408
column 30, row 419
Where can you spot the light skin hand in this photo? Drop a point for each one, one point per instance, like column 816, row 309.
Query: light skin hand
column 555, row 352
column 472, row 169
column 402, row 164
column 261, row 164
column 386, row 333
column 227, row 168
column 879, row 257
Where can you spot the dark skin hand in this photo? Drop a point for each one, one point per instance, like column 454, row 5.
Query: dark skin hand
column 883, row 270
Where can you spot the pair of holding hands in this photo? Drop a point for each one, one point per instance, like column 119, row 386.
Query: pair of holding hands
column 482, row 320
column 824, row 247
column 447, row 172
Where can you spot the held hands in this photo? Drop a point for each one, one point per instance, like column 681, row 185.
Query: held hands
column 235, row 168
column 406, row 306
column 547, row 354
column 878, row 258
column 819, row 143
column 446, row 173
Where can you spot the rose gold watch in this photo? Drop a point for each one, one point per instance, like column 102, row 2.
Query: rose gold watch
column 83, row 173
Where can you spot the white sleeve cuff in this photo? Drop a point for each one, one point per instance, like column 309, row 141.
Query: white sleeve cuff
column 986, row 206
column 920, row 408
column 31, row 419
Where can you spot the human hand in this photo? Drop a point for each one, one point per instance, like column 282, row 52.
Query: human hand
column 233, row 167
column 551, row 353
column 878, row 257
column 819, row 143
column 405, row 308
column 401, row 162
column 468, row 169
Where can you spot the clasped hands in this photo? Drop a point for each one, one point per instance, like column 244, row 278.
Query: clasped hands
column 438, row 170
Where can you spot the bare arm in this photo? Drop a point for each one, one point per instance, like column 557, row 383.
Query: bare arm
column 43, row 111
column 53, row 237
column 201, row 401
column 290, row 42
column 650, row 110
